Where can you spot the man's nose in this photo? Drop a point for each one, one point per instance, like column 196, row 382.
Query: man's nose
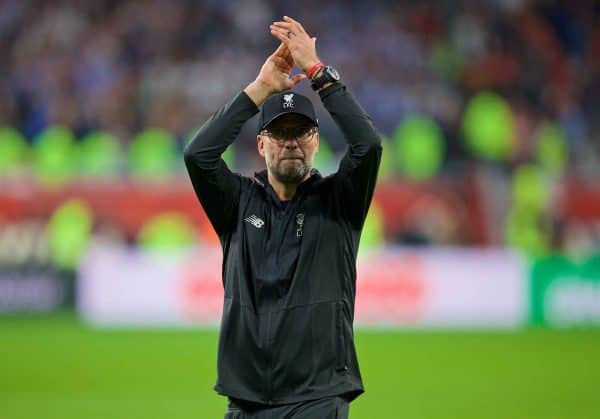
column 291, row 143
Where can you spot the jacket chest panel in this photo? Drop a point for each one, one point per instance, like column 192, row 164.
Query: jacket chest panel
column 292, row 255
column 272, row 238
column 263, row 226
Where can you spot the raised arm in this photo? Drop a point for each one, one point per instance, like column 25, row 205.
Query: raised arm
column 357, row 174
column 217, row 188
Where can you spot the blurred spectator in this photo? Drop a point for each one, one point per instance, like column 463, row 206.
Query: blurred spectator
column 124, row 66
column 121, row 67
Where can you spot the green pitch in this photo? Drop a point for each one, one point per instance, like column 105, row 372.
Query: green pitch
column 57, row 368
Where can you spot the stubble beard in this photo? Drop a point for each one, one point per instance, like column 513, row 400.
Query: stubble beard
column 288, row 172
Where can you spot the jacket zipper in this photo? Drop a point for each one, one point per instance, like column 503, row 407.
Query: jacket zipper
column 279, row 215
column 276, row 227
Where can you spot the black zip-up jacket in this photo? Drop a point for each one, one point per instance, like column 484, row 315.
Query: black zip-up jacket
column 289, row 271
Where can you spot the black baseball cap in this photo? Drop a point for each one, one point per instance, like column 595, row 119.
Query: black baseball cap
column 283, row 104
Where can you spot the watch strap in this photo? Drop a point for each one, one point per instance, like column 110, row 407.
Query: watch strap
column 324, row 78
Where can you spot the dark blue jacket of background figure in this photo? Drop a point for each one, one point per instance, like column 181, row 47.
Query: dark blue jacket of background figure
column 289, row 272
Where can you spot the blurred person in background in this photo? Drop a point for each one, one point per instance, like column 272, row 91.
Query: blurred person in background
column 289, row 237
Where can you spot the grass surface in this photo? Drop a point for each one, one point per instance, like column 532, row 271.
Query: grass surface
column 55, row 367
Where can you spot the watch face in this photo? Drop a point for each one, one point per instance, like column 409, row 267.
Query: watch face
column 333, row 73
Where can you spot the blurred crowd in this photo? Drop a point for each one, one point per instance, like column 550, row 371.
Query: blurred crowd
column 121, row 66
column 460, row 77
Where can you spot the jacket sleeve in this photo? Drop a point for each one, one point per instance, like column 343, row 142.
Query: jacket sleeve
column 217, row 188
column 355, row 179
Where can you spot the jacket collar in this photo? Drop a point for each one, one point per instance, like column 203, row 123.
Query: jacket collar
column 262, row 179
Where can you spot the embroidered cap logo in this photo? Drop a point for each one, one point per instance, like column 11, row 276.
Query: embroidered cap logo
column 288, row 101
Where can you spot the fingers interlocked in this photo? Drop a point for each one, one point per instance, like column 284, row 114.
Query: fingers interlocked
column 288, row 28
column 298, row 47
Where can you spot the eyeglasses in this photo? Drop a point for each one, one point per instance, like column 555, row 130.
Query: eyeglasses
column 301, row 134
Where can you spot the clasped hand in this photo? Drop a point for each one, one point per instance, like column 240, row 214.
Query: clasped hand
column 297, row 48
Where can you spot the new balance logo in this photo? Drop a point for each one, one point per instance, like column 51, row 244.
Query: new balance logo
column 255, row 221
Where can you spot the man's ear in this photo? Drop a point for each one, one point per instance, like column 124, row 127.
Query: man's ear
column 260, row 145
column 318, row 142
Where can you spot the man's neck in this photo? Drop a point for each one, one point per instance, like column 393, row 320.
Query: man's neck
column 284, row 191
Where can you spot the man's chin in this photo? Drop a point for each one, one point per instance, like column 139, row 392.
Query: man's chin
column 292, row 175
